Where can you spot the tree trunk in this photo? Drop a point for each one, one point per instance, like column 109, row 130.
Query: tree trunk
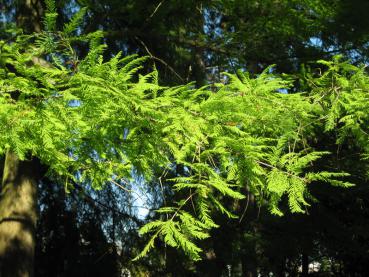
column 29, row 15
column 305, row 265
column 18, row 215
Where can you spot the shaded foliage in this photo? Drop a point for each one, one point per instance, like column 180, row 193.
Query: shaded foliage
column 270, row 151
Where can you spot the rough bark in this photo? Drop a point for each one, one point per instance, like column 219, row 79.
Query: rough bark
column 18, row 215
column 29, row 15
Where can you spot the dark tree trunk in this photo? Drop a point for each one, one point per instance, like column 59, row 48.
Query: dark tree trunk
column 18, row 215
column 199, row 70
column 248, row 267
column 250, row 217
column 305, row 265
column 18, row 198
column 29, row 15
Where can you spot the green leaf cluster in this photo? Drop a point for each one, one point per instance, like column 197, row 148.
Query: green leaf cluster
column 95, row 121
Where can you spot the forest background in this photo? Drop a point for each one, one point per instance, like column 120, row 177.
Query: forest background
column 82, row 231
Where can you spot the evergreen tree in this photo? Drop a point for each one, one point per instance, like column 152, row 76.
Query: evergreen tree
column 89, row 119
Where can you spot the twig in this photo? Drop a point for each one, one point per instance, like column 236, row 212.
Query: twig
column 128, row 190
column 246, row 207
column 154, row 12
column 108, row 251
column 93, row 201
column 158, row 59
column 162, row 191
column 285, row 172
column 184, row 203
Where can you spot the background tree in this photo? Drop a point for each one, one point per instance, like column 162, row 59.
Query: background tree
column 213, row 36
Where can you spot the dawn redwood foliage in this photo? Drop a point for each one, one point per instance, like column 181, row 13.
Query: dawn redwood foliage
column 92, row 120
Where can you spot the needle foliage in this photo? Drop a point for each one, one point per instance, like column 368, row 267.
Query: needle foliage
column 95, row 120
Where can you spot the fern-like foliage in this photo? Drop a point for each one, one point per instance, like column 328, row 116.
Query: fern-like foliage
column 245, row 137
column 94, row 121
